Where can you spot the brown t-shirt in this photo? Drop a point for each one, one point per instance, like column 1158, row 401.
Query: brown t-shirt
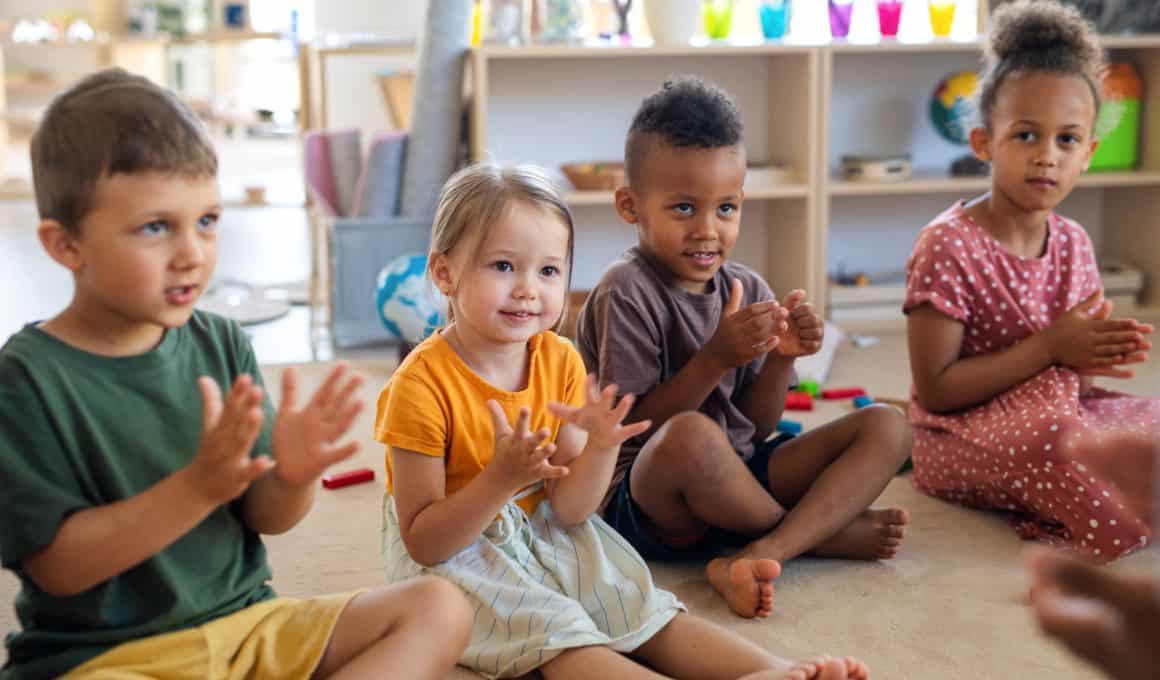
column 638, row 329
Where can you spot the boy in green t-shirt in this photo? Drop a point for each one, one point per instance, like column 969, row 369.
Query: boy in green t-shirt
column 131, row 516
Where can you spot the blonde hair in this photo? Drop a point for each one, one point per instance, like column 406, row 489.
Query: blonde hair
column 476, row 197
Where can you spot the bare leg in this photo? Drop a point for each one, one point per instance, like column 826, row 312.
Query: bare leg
column 583, row 663
column 687, row 478
column 1109, row 619
column 691, row 647
column 829, row 477
column 415, row 629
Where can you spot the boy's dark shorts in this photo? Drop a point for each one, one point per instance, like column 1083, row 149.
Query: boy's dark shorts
column 624, row 515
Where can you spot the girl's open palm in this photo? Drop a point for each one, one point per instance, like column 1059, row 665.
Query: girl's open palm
column 522, row 457
column 599, row 418
column 305, row 440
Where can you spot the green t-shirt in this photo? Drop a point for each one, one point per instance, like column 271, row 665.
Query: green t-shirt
column 79, row 431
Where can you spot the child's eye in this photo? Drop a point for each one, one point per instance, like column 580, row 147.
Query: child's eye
column 727, row 209
column 1026, row 136
column 683, row 208
column 550, row 270
column 502, row 266
column 208, row 222
column 153, row 228
column 1069, row 140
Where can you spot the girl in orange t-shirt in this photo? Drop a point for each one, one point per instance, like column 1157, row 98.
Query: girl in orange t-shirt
column 500, row 449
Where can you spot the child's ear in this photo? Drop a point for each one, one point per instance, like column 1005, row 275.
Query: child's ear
column 1087, row 162
column 60, row 244
column 626, row 205
column 980, row 140
column 439, row 267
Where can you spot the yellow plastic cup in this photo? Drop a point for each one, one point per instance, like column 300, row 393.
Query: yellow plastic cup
column 942, row 17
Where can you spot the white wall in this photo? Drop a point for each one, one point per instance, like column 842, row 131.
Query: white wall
column 399, row 19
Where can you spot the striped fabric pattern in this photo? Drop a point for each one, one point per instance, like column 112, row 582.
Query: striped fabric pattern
column 539, row 589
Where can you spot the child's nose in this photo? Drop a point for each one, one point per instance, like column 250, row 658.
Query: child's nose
column 190, row 252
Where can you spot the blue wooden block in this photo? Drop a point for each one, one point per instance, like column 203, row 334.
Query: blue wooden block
column 789, row 426
column 863, row 401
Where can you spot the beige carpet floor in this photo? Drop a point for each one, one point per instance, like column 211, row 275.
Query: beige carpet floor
column 949, row 607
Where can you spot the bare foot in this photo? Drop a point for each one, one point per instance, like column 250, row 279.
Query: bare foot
column 823, row 668
column 873, row 535
column 746, row 584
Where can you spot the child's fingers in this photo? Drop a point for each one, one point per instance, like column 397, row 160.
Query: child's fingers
column 499, row 419
column 211, row 402
column 608, row 397
column 326, row 392
column 1114, row 325
column 794, row 299
column 633, row 429
column 621, row 411
column 289, row 390
column 1112, row 350
column 1109, row 372
column 345, row 395
column 256, row 468
column 548, row 471
column 568, row 414
column 542, row 453
column 522, row 421
column 1145, row 328
column 345, row 421
column 340, row 454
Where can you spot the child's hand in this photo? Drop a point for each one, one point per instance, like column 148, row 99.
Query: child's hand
column 746, row 334
column 222, row 470
column 1094, row 343
column 521, row 456
column 304, row 440
column 806, row 329
column 599, row 419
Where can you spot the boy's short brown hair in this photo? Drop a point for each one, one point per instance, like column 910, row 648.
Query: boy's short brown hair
column 110, row 123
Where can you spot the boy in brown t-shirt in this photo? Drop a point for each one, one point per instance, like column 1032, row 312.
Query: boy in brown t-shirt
column 708, row 351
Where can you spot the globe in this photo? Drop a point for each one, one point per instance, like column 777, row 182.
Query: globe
column 408, row 307
column 952, row 108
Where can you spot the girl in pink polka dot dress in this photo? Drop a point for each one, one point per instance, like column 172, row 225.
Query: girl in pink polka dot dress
column 1006, row 321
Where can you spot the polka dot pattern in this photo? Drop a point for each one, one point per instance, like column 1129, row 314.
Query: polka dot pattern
column 1005, row 454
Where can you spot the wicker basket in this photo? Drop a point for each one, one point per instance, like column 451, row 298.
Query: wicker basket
column 595, row 176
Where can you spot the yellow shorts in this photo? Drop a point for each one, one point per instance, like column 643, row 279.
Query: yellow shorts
column 279, row 638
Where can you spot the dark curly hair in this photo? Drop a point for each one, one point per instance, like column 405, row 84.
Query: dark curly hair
column 1038, row 35
column 685, row 112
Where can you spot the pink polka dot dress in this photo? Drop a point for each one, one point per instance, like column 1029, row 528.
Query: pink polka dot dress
column 1004, row 455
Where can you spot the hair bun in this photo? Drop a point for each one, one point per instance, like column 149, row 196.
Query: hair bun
column 1037, row 26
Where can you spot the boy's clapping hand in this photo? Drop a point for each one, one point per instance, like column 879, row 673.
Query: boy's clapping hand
column 746, row 334
column 304, row 440
column 222, row 470
column 805, row 328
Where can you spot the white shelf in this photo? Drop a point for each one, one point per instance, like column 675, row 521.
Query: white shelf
column 758, row 193
column 935, row 182
column 599, row 50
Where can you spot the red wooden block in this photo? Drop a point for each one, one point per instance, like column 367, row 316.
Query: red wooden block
column 799, row 401
column 341, row 479
column 843, row 393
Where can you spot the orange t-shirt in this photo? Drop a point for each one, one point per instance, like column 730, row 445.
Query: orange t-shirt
column 436, row 405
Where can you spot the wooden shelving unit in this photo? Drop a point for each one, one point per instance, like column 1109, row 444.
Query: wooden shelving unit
column 555, row 104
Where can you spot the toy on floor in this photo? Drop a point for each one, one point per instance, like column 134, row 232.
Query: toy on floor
column 349, row 478
column 789, row 426
column 799, row 401
column 810, row 387
column 863, row 400
column 843, row 393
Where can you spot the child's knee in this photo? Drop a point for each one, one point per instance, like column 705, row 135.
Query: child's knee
column 691, row 442
column 440, row 605
column 890, row 427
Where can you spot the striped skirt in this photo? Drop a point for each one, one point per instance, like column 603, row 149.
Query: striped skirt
column 539, row 590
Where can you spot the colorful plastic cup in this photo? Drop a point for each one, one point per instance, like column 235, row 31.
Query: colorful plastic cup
column 889, row 16
column 774, row 18
column 942, row 17
column 841, row 12
column 718, row 18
